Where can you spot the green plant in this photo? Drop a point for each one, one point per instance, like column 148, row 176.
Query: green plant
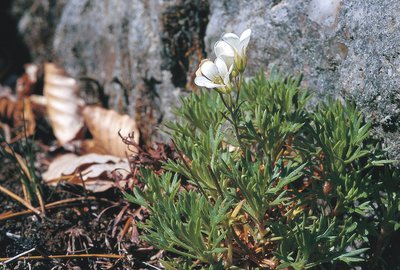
column 262, row 182
column 22, row 154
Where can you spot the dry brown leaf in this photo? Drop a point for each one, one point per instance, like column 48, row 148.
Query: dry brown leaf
column 93, row 169
column 18, row 114
column 63, row 103
column 38, row 100
column 90, row 146
column 104, row 125
column 39, row 105
column 7, row 105
column 26, row 82
column 23, row 112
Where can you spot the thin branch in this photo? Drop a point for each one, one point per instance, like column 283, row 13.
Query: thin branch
column 18, row 256
column 20, row 200
column 40, row 198
column 5, row 216
column 71, row 256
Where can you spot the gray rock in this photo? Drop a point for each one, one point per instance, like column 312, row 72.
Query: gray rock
column 292, row 35
column 371, row 72
column 117, row 45
column 343, row 48
column 138, row 56
column 134, row 56
column 37, row 22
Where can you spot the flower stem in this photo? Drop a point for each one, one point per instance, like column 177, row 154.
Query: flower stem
column 232, row 108
column 238, row 85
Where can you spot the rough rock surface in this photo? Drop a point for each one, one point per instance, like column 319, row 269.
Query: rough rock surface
column 138, row 53
column 37, row 22
column 137, row 56
column 343, row 48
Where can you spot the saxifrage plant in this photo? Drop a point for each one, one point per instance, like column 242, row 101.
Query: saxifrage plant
column 264, row 183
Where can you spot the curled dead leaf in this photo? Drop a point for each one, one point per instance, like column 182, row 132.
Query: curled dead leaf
column 39, row 105
column 7, row 105
column 63, row 103
column 106, row 125
column 90, row 146
column 27, row 81
column 18, row 114
column 94, row 171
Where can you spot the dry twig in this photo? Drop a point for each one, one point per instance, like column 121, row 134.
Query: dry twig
column 20, row 200
column 71, row 256
column 8, row 215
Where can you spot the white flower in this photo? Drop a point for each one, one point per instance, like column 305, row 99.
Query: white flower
column 232, row 49
column 214, row 75
column 224, row 51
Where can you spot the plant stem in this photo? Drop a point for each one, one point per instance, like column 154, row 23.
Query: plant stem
column 190, row 170
column 215, row 180
column 250, row 253
column 23, row 172
column 238, row 85
column 261, row 230
column 232, row 108
column 377, row 252
column 40, row 199
column 229, row 256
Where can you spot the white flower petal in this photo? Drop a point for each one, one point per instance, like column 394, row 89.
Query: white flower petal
column 224, row 51
column 244, row 41
column 228, row 74
column 204, row 82
column 221, row 65
column 226, row 78
column 222, row 48
column 209, row 69
column 229, row 61
column 245, row 35
column 230, row 69
column 232, row 40
column 229, row 35
column 198, row 71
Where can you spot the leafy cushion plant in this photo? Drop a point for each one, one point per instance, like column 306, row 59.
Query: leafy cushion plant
column 264, row 183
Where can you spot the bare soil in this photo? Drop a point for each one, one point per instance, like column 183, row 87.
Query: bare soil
column 90, row 226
